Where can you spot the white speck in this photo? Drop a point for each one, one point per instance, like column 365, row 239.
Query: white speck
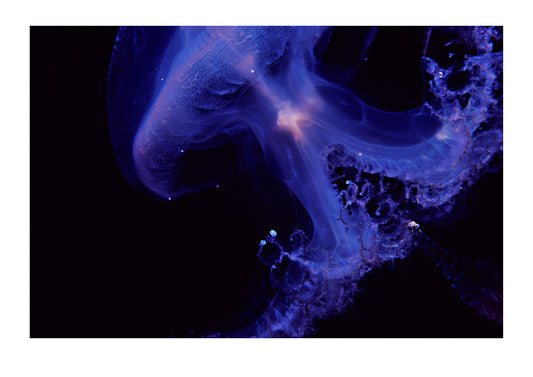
column 440, row 136
column 181, row 150
column 413, row 224
column 162, row 79
column 251, row 70
column 218, row 186
column 169, row 198
column 359, row 154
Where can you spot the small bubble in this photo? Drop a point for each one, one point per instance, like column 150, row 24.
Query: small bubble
column 262, row 242
column 273, row 233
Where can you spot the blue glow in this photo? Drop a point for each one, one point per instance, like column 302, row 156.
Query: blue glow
column 361, row 173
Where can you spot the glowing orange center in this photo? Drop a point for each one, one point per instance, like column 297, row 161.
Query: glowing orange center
column 292, row 120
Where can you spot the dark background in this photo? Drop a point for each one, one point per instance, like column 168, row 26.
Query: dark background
column 106, row 261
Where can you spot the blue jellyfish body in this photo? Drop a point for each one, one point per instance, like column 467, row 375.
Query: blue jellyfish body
column 364, row 174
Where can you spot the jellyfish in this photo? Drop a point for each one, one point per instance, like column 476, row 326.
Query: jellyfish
column 365, row 175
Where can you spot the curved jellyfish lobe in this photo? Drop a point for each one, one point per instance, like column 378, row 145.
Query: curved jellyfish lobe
column 191, row 109
column 366, row 176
